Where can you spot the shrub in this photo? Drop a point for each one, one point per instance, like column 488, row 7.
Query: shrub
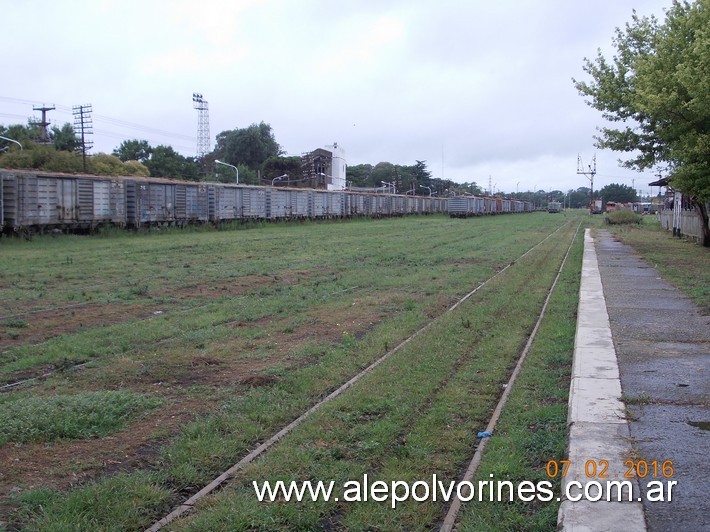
column 623, row 216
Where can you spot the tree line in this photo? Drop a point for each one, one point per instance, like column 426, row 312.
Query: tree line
column 253, row 150
column 258, row 158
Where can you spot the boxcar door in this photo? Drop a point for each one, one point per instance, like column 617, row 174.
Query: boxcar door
column 67, row 200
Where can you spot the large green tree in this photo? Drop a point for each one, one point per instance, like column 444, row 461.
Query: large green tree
column 166, row 162
column 359, row 175
column 278, row 166
column 618, row 193
column 578, row 199
column 251, row 146
column 134, row 150
column 64, row 138
column 656, row 91
column 18, row 133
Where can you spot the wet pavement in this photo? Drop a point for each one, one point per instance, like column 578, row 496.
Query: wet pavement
column 662, row 343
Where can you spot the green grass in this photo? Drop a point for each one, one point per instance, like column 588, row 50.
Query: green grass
column 533, row 427
column 416, row 415
column 86, row 415
column 681, row 262
column 118, row 503
column 313, row 303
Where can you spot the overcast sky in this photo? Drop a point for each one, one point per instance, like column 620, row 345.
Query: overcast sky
column 475, row 88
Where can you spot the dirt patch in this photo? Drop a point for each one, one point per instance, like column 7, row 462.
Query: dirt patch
column 259, row 380
column 234, row 364
column 42, row 325
column 68, row 463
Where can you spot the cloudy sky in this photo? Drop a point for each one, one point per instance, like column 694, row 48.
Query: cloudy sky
column 481, row 90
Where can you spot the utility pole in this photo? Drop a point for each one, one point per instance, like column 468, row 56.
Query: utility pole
column 83, row 124
column 589, row 174
column 43, row 134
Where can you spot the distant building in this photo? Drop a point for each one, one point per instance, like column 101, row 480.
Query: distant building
column 324, row 168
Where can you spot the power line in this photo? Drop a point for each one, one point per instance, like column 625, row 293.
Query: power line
column 101, row 119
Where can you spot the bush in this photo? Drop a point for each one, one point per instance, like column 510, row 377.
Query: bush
column 623, row 216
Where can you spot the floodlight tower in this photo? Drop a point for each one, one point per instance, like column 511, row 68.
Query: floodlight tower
column 203, row 124
column 590, row 172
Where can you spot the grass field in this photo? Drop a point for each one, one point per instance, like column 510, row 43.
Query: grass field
column 196, row 345
column 680, row 261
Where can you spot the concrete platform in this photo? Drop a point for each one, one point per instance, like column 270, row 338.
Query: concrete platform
column 599, row 438
column 638, row 338
column 662, row 343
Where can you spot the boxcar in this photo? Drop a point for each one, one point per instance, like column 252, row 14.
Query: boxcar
column 149, row 203
column 101, row 202
column 299, row 203
column 399, row 205
column 2, row 202
column 39, row 202
column 225, row 202
column 278, row 204
column 459, row 207
column 254, row 203
column 191, row 203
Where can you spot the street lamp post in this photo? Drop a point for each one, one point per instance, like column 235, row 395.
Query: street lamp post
column 424, row 186
column 11, row 140
column 231, row 166
column 325, row 182
column 279, row 178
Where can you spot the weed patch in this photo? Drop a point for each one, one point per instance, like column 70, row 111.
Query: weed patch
column 85, row 415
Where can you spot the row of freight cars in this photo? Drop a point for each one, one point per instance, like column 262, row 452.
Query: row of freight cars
column 464, row 206
column 40, row 201
column 32, row 200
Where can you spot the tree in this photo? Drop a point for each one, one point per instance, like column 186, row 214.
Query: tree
column 278, row 166
column 64, row 138
column 18, row 132
column 166, row 162
column 105, row 164
column 359, row 175
column 382, row 172
column 618, row 193
column 579, row 198
column 657, row 89
column 471, row 188
column 134, row 150
column 251, row 146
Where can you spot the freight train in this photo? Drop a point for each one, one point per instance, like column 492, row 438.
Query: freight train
column 464, row 206
column 32, row 201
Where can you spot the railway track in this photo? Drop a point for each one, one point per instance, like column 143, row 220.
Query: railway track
column 455, row 507
column 450, row 370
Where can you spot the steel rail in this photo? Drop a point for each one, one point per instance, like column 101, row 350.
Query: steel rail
column 229, row 473
column 455, row 508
